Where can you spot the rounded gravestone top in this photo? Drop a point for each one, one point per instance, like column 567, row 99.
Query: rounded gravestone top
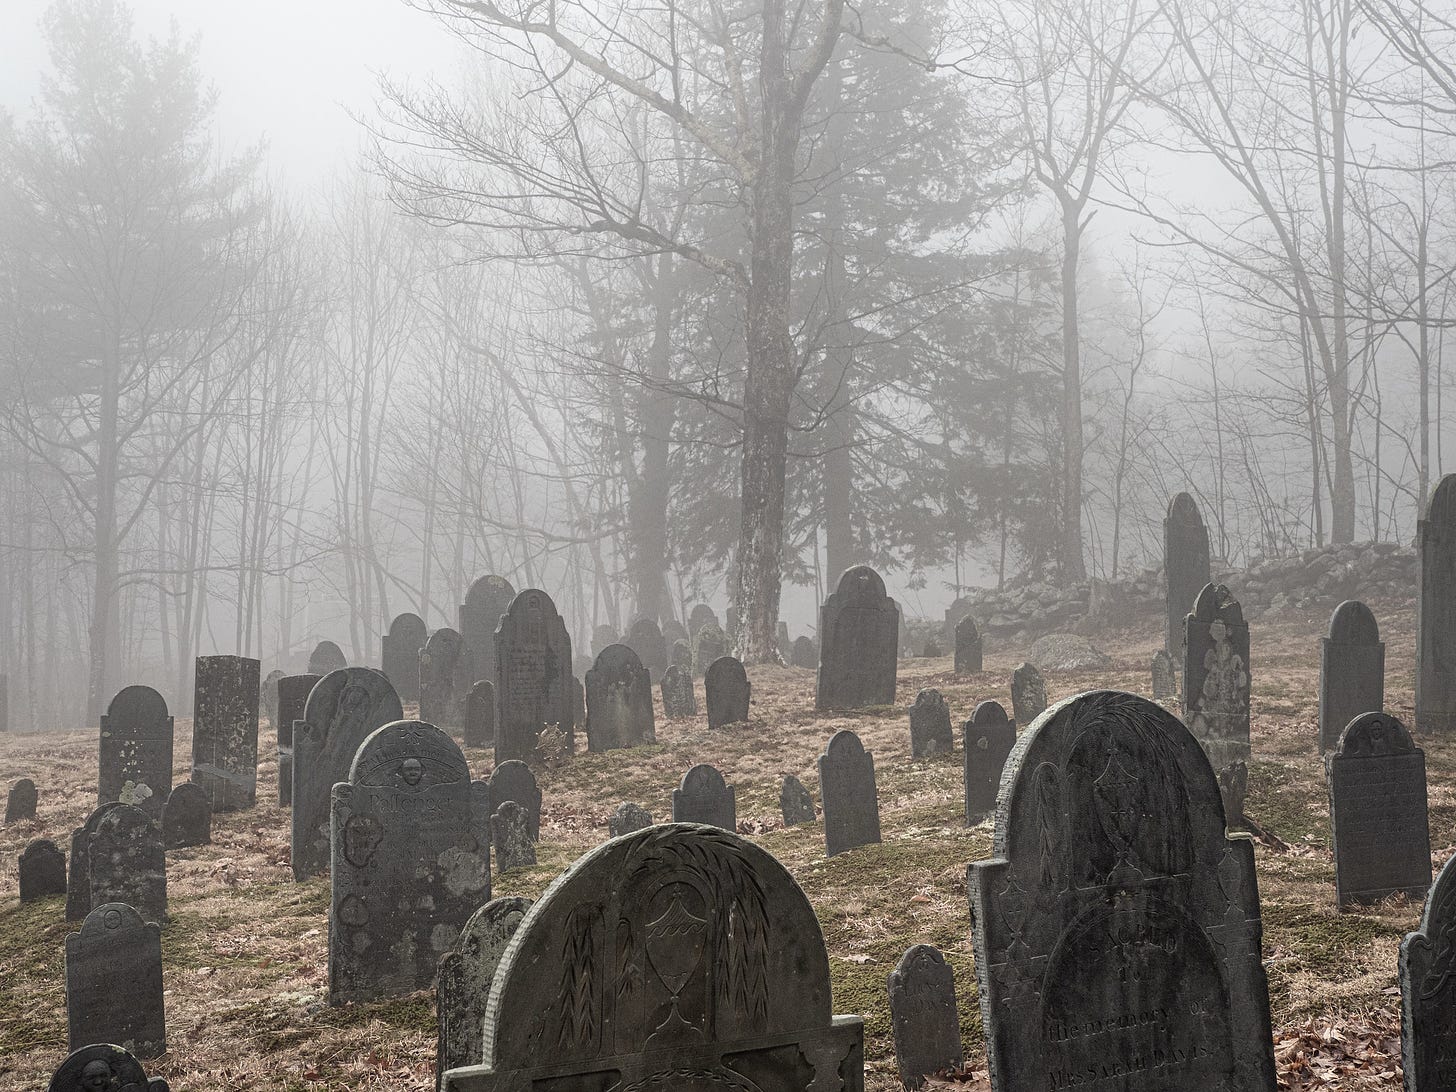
column 93, row 821
column 699, row 616
column 103, row 1067
column 1184, row 509
column 703, row 778
column 725, row 671
column 410, row 756
column 138, row 703
column 861, row 584
column 987, row 713
column 489, row 589
column 618, row 660
column 351, row 693
column 111, row 917
column 1442, row 510
column 444, row 641
column 1215, row 603
column 531, row 601
column 1353, row 623
column 482, row 688
column 408, row 626
column 512, row 780
column 126, row 820
column 965, row 630
column 1067, row 652
column 844, row 744
column 326, row 657
column 930, row 698
column 1372, row 734
column 644, row 627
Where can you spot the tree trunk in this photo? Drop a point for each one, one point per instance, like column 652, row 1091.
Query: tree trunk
column 1070, row 560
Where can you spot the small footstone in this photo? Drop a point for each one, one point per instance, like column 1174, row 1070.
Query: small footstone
column 627, row 818
column 923, row 1015
column 114, row 982
column 797, row 804
column 102, row 1067
column 20, row 803
column 463, row 984
column 42, row 870
column 187, row 818
column 930, row 731
column 514, row 847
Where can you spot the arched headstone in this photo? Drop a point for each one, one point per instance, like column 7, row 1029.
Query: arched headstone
column 42, row 871
column 1436, row 612
column 805, row 653
column 645, row 638
column 21, row 801
column 1428, row 990
column 487, row 600
column 969, row 658
column 987, row 739
column 1352, row 671
column 859, row 626
column 135, row 759
column 400, row 655
column 1216, row 689
column 293, row 692
column 78, row 882
column 726, row 692
column 440, row 664
column 511, row 837
column 533, row 676
column 674, row 631
column 699, row 616
column 679, row 697
column 114, row 981
column 513, row 780
column 480, row 714
column 930, row 731
column 704, row 797
column 709, row 644
column 923, row 1016
column 847, row 791
column 464, row 981
column 1186, row 565
column 126, row 862
column 186, row 818
column 325, row 657
column 619, row 701
column 225, row 730
column 102, row 1067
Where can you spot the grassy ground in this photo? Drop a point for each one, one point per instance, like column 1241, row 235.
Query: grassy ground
column 245, row 951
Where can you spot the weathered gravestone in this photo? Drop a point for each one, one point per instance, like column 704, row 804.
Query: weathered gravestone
column 859, row 626
column 923, row 1016
column 682, row 657
column 1165, row 676
column 268, row 697
column 411, row 861
column 602, row 636
column 343, row 710
column 805, row 653
column 1028, row 694
column 710, row 644
column 1378, row 819
column 21, row 801
column 463, row 984
column 691, row 962
column 699, row 617
column 511, row 837
column 533, row 676
column 114, row 982
column 225, row 730
column 441, row 661
column 513, row 780
column 400, row 655
column 627, row 818
column 1216, row 689
column 930, row 731
column 126, row 862
column 847, row 789
column 619, row 701
column 487, row 600
column 645, row 638
column 703, row 797
column 42, row 870
column 78, row 882
column 987, row 739
column 1428, row 991
column 325, row 657
column 1186, row 565
column 1436, row 612
column 1116, row 928
column 1352, row 671
column 726, row 692
column 795, row 802
column 104, row 1067
column 135, row 759
column 679, row 698
column 969, row 658
column 480, row 714
column 674, row 631
column 186, row 818
column 293, row 692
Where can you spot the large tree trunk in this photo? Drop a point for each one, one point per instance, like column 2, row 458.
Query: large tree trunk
column 1072, row 566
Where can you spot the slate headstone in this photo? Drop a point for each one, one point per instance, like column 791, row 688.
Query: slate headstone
column 480, row 714
column 400, row 655
column 645, row 638
column 709, row 644
column 463, row 984
column 126, row 862
column 1428, row 990
column 1216, row 689
column 325, row 657
column 795, row 802
column 679, row 698
column 619, row 701
column 186, row 818
column 1165, row 676
column 114, row 982
column 441, row 661
column 703, row 797
column 135, row 758
column 1352, row 671
column 1436, row 612
column 293, row 692
column 1028, row 694
column 930, row 731
column 487, row 600
column 859, row 626
column 533, row 676
column 969, row 658
column 78, row 882
column 805, row 653
column 225, row 731
column 42, row 870
column 700, row 616
column 627, row 818
column 513, row 780
column 102, row 1067
column 923, row 1016
column 987, row 740
column 726, row 692
column 1186, row 565
column 514, row 846
column 847, row 789
column 21, row 801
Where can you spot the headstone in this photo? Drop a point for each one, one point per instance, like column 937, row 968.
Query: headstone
column 102, row 1067
column 42, row 870
column 969, row 658
column 805, row 654
column 463, row 983
column 21, row 801
column 627, row 818
column 293, row 692
column 602, row 636
column 644, row 637
column 1436, row 612
column 268, row 697
column 1352, row 671
column 847, row 788
column 930, row 731
column 682, row 656
column 126, row 862
column 78, row 882
column 1186, row 565
column 440, row 663
column 411, row 861
column 1028, row 694
column 709, row 644
column 533, row 676
column 186, row 818
column 703, row 797
column 1216, row 689
column 225, row 731
column 923, row 1016
column 674, row 631
column 700, row 616
column 114, row 982
column 1116, row 928
column 1428, row 990
column 487, row 600
column 795, row 802
column 514, row 846
column 343, row 709
column 1165, row 677
column 987, row 739
column 325, row 657
column 1378, row 818
column 726, row 692
column 400, row 655
column 679, row 698
column 480, row 714
column 513, row 780
column 675, row 959
column 135, row 760
column 859, row 626
column 619, row 701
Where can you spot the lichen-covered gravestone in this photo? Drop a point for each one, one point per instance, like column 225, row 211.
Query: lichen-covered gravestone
column 126, row 862
column 923, row 1016
column 627, row 818
column 1378, row 819
column 514, row 780
column 805, row 653
column 78, row 882
column 1186, row 565
column 21, row 801
column 847, row 789
column 463, row 984
column 987, row 739
column 440, row 664
column 511, row 837
column 619, row 701
column 114, row 982
column 1028, row 694
column 969, row 657
column 1428, row 991
column 1116, row 928
column 325, row 657
column 486, row 601
column 186, row 818
column 726, row 692
column 480, row 714
column 411, row 861
column 704, row 797
column 672, row 960
column 1436, row 612
column 644, row 637
column 42, row 870
column 682, row 656
column 534, row 683
column 709, row 644
column 859, row 626
column 1352, row 671
column 342, row 711
column 699, row 616
column 135, row 756
column 104, row 1067
column 1165, row 676
column 400, row 655
column 930, row 730
column 1216, row 689
column 795, row 802
column 679, row 698
column 293, row 691
column 225, row 731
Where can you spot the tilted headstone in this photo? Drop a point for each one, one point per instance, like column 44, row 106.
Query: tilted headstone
column 1186, row 565
column 1216, row 689
column 325, row 657
column 513, row 780
column 440, row 664
column 293, row 692
column 1436, row 612
column 511, row 837
column 619, row 701
column 1428, row 990
column 186, row 818
column 930, row 731
column 987, row 739
column 1028, row 694
column 679, row 697
column 225, row 730
column 1165, row 676
column 682, row 657
column 102, row 1067
column 1378, row 818
column 42, row 870
column 126, row 862
column 135, row 760
column 78, row 881
column 21, row 801
column 463, row 984
column 343, row 710
column 627, row 818
column 677, row 959
column 114, row 982
column 805, row 653
column 969, row 658
column 268, row 697
column 703, row 797
column 411, row 861
column 847, row 790
column 709, row 644
column 1116, row 928
column 533, row 676
column 487, row 600
column 795, row 802
column 726, row 692
column 1352, row 671
column 400, row 655
column 923, row 1016
column 602, row 636
column 699, row 617
column 859, row 626
column 480, row 714
column 645, row 638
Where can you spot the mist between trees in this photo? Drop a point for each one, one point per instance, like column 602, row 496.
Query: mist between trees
column 649, row 303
